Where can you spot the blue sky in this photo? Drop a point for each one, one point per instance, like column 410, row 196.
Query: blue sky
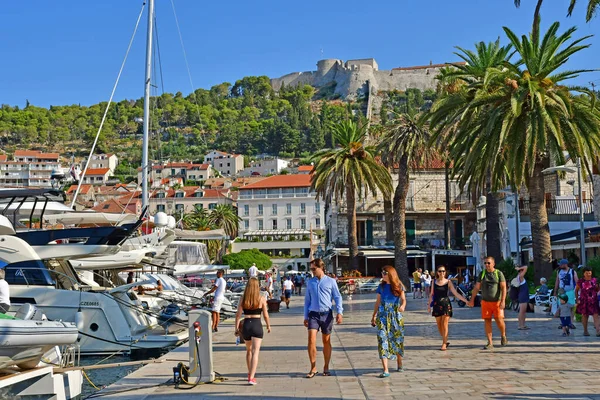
column 69, row 51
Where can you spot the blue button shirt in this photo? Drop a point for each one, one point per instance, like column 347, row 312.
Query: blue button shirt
column 319, row 295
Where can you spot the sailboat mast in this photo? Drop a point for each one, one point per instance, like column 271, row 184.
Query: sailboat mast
column 147, row 83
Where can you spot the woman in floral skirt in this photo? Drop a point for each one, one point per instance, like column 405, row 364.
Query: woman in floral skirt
column 442, row 308
column 387, row 317
column 586, row 293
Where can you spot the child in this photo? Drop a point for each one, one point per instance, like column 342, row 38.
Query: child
column 564, row 312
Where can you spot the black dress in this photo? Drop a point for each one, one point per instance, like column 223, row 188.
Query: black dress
column 441, row 302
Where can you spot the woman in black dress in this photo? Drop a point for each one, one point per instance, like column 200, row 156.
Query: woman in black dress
column 442, row 308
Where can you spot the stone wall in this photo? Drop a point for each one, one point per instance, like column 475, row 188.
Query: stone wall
column 351, row 77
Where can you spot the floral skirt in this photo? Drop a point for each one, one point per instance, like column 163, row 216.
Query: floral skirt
column 390, row 335
column 441, row 307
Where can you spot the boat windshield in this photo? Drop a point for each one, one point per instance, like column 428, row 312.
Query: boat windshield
column 32, row 272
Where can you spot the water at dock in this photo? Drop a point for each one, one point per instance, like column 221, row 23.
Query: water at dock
column 107, row 376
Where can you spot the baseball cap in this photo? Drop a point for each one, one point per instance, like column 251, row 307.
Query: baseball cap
column 563, row 297
column 564, row 261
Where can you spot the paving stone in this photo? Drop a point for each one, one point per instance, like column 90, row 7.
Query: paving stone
column 539, row 363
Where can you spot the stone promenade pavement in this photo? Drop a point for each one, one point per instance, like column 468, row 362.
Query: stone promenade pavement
column 537, row 364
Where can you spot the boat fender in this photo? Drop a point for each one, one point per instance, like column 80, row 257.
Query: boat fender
column 79, row 320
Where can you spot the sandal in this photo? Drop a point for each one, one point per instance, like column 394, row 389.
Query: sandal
column 311, row 374
column 586, row 334
column 384, row 375
column 525, row 328
column 326, row 373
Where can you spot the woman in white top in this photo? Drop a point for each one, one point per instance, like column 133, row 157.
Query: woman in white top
column 4, row 293
column 426, row 279
column 523, row 296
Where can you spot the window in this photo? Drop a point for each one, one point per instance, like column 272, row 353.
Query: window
column 172, row 171
column 179, row 194
column 302, row 223
column 199, row 194
column 229, row 164
column 317, row 208
column 274, row 225
column 288, row 223
column 302, row 208
column 160, row 208
column 246, row 210
column 246, row 224
column 160, row 195
column 182, row 171
column 260, row 224
column 179, row 207
column 318, row 223
column 274, row 209
column 260, row 209
column 288, row 209
column 212, row 206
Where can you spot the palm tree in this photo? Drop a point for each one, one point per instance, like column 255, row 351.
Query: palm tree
column 197, row 220
column 458, row 88
column 351, row 170
column 223, row 216
column 528, row 118
column 404, row 144
column 592, row 8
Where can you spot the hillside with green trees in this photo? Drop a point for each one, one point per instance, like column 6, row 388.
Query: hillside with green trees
column 248, row 117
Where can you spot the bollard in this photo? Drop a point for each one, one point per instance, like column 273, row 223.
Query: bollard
column 200, row 337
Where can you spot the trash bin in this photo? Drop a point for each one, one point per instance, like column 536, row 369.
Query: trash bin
column 273, row 305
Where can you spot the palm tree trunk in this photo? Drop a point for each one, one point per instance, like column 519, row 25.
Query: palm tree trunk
column 389, row 221
column 352, row 237
column 540, row 231
column 492, row 224
column 447, row 222
column 399, row 219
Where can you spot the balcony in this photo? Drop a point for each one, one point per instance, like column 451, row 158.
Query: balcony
column 559, row 207
column 256, row 196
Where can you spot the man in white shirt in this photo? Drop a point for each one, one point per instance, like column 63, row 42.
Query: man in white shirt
column 219, row 290
column 4, row 293
column 288, row 286
column 253, row 271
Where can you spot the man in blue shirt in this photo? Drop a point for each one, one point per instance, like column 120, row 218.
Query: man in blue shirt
column 318, row 313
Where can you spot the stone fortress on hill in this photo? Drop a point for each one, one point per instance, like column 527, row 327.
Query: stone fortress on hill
column 353, row 78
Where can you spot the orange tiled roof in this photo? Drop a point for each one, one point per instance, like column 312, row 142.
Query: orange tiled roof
column 84, row 189
column 3, row 157
column 35, row 153
column 112, row 206
column 96, row 171
column 305, row 168
column 281, row 181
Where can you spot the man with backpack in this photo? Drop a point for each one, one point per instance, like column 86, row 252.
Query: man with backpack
column 493, row 296
column 566, row 279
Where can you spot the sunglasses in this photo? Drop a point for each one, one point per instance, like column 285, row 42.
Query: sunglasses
column 487, row 263
column 441, row 270
column 384, row 272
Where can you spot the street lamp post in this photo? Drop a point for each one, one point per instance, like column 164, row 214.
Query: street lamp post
column 515, row 193
column 563, row 168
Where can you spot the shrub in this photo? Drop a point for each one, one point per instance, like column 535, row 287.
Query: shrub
column 245, row 258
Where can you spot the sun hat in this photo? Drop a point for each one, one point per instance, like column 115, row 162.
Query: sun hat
column 564, row 261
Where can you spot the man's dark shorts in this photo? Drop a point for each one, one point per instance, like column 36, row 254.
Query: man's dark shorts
column 288, row 293
column 416, row 286
column 322, row 321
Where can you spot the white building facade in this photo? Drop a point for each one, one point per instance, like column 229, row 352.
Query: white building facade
column 282, row 218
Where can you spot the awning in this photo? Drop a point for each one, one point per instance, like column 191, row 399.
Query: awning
column 374, row 254
column 278, row 232
column 215, row 234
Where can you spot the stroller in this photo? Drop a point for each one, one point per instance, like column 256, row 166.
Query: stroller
column 465, row 290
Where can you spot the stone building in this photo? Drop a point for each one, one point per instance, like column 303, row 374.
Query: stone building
column 425, row 220
column 362, row 76
column 227, row 164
